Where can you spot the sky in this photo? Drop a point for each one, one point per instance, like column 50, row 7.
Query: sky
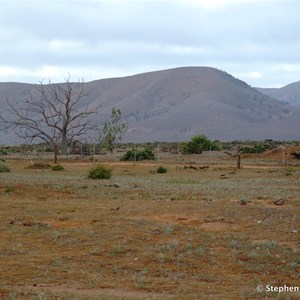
column 257, row 41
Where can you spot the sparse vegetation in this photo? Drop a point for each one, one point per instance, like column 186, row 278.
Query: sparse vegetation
column 100, row 172
column 256, row 148
column 150, row 245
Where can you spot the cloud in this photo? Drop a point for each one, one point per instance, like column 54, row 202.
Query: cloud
column 117, row 38
column 8, row 71
column 255, row 75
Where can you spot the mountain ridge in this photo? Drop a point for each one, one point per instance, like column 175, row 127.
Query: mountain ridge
column 289, row 93
column 175, row 104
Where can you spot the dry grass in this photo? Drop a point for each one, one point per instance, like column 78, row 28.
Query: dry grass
column 142, row 235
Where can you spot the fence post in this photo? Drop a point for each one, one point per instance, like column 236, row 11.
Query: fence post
column 283, row 156
column 94, row 154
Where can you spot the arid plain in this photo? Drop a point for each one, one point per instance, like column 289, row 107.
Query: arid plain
column 212, row 233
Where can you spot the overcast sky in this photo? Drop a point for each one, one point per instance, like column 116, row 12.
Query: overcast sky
column 255, row 41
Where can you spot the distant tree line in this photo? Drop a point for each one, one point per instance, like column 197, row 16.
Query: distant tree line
column 165, row 147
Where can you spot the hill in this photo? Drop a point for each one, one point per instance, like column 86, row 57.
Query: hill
column 176, row 104
column 289, row 93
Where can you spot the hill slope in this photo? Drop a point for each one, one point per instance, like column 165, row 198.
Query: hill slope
column 176, row 104
column 289, row 93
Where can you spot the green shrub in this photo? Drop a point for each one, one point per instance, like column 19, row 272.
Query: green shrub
column 58, row 168
column 3, row 167
column 161, row 170
column 100, row 172
column 3, row 151
column 137, row 155
column 198, row 144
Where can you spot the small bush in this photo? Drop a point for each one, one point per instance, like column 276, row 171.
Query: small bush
column 161, row 170
column 245, row 201
column 3, row 167
column 100, row 172
column 58, row 168
column 137, row 155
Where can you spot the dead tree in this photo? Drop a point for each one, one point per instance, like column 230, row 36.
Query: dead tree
column 237, row 154
column 51, row 113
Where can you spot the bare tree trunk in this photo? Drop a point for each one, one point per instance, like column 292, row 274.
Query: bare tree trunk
column 55, row 154
column 64, row 141
column 64, row 148
column 238, row 161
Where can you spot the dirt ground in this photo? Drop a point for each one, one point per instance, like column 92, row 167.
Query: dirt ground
column 212, row 233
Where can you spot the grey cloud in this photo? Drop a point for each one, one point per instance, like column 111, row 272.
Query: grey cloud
column 244, row 37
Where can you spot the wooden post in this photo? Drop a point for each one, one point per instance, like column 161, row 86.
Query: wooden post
column 134, row 149
column 238, row 158
column 94, row 154
column 283, row 156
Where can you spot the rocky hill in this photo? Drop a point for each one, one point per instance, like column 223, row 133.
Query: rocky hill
column 176, row 104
